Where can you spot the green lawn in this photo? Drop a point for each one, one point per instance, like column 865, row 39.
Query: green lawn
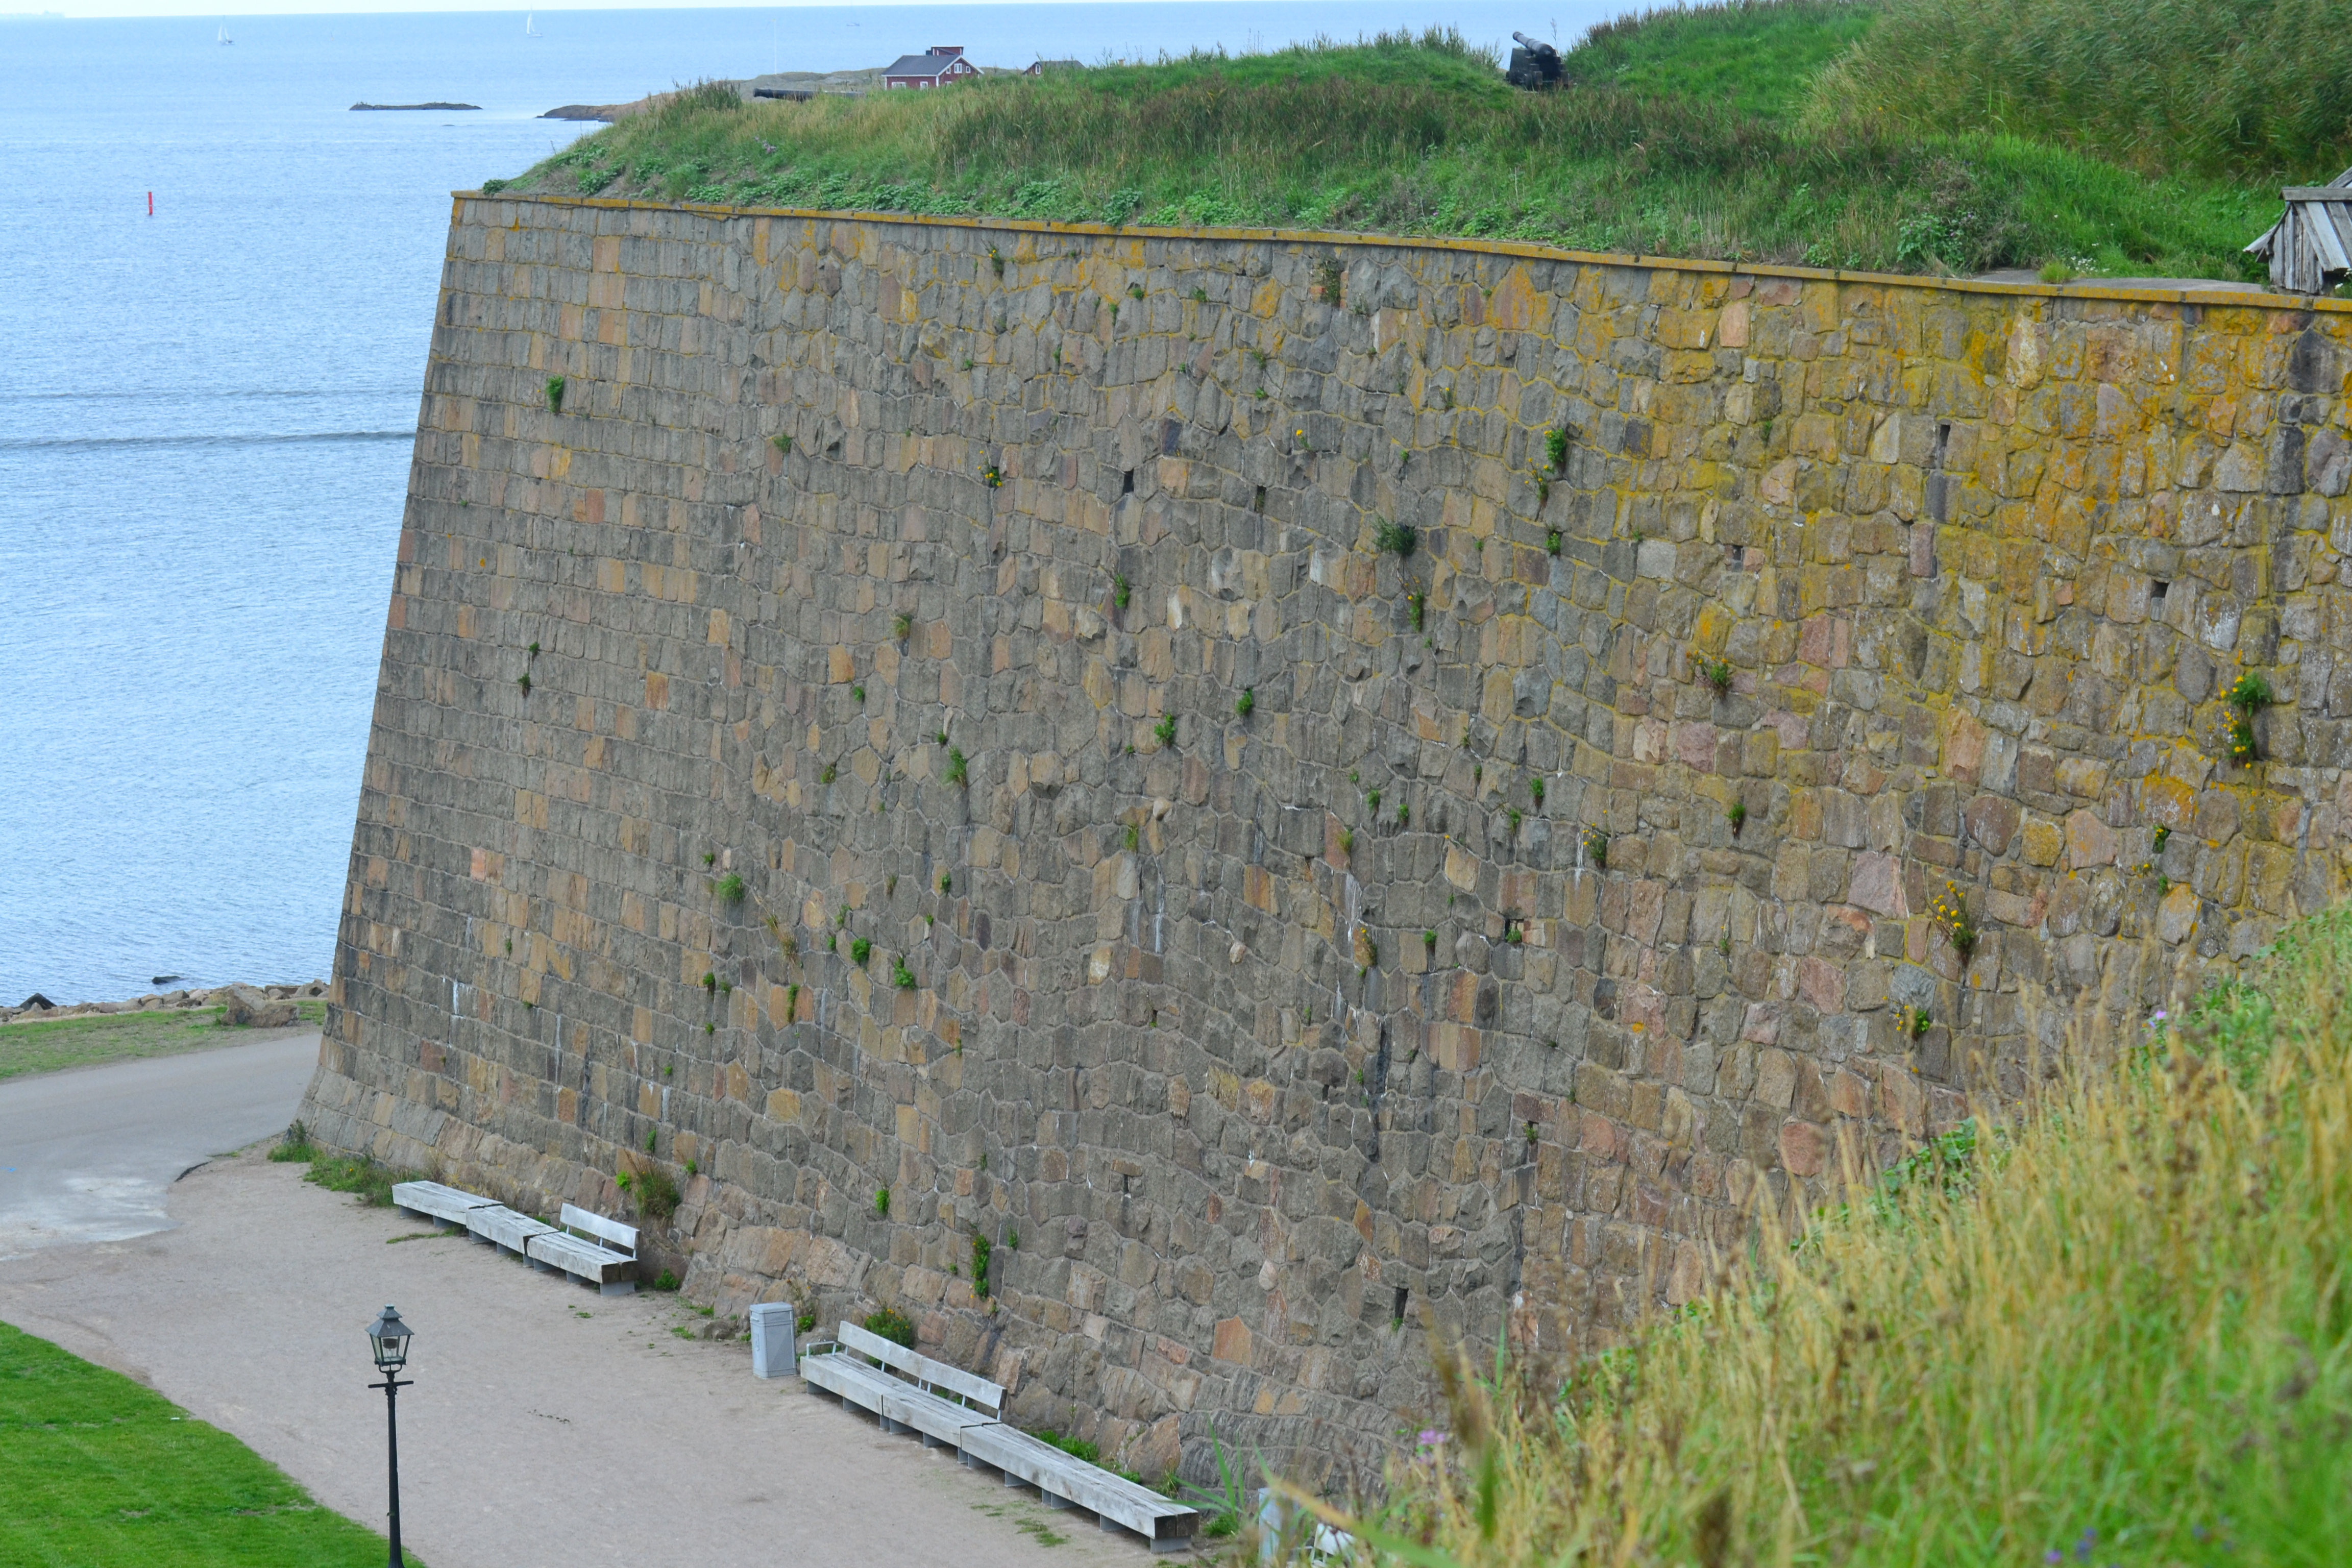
column 97, row 1471
column 29, row 1048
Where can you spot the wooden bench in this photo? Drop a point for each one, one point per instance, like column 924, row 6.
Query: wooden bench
column 431, row 1200
column 607, row 1268
column 901, row 1405
column 910, row 1391
column 505, row 1228
column 1062, row 1479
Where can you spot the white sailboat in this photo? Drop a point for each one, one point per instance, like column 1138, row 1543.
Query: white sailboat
column 224, row 34
column 529, row 31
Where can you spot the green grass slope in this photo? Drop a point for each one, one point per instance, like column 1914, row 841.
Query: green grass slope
column 2261, row 89
column 2119, row 1332
column 97, row 1472
column 1686, row 133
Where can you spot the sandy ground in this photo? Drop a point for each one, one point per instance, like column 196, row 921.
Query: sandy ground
column 88, row 1154
column 547, row 1425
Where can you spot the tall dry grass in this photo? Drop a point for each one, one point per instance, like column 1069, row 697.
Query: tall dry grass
column 2113, row 1330
column 1418, row 135
column 2262, row 89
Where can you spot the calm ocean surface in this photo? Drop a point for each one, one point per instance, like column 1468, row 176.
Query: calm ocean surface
column 206, row 415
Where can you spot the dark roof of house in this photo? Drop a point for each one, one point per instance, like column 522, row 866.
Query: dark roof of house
column 921, row 65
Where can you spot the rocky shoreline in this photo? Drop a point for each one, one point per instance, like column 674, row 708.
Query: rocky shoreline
column 259, row 1006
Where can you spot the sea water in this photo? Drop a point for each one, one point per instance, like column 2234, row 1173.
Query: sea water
column 207, row 412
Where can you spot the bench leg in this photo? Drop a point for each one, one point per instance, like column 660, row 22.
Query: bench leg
column 1050, row 1500
column 617, row 1287
column 1011, row 1479
column 1171, row 1543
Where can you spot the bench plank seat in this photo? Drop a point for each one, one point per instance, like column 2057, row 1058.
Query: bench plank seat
column 431, row 1200
column 503, row 1226
column 896, row 1402
column 599, row 1265
column 1169, row 1526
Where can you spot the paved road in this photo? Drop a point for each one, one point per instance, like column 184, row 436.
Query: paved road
column 88, row 1154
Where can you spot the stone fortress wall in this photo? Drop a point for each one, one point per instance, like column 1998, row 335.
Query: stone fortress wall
column 1246, row 964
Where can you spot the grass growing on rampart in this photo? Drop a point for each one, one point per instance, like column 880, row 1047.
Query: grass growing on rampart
column 98, row 1472
column 1681, row 137
column 2257, row 87
column 2117, row 1329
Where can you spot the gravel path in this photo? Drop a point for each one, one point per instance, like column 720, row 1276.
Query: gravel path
column 548, row 1423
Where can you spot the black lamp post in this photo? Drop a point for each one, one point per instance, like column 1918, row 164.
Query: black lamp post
column 388, row 1337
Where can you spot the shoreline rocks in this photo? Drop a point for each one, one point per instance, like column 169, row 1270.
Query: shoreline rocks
column 249, row 1006
column 396, row 108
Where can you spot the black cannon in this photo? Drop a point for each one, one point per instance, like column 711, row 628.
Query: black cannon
column 1534, row 66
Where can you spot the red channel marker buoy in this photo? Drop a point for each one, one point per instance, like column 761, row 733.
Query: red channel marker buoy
column 151, row 203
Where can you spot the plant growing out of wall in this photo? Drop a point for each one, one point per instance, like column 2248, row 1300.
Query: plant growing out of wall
column 1373, row 802
column 1737, row 815
column 1514, row 813
column 860, row 950
column 523, row 680
column 656, row 1193
column 1398, row 538
column 1166, row 730
column 711, row 982
column 1951, row 913
column 900, row 975
column 900, row 625
column 1556, row 450
column 1418, row 604
column 882, row 1202
column 993, row 477
column 792, row 1002
column 1346, row 841
column 857, row 693
column 780, row 443
column 996, row 261
column 1913, row 1022
column 893, row 1325
column 1535, row 787
column 1332, row 281
column 1551, row 541
column 555, row 395
column 1405, row 813
column 1133, row 836
column 1119, row 589
column 1596, row 848
column 946, row 883
column 980, row 1251
column 2163, row 836
column 958, row 770
column 1246, row 702
column 729, row 888
column 826, row 773
column 2248, row 695
column 1715, row 672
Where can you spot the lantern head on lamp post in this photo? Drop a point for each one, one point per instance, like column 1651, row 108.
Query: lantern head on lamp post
column 388, row 1339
